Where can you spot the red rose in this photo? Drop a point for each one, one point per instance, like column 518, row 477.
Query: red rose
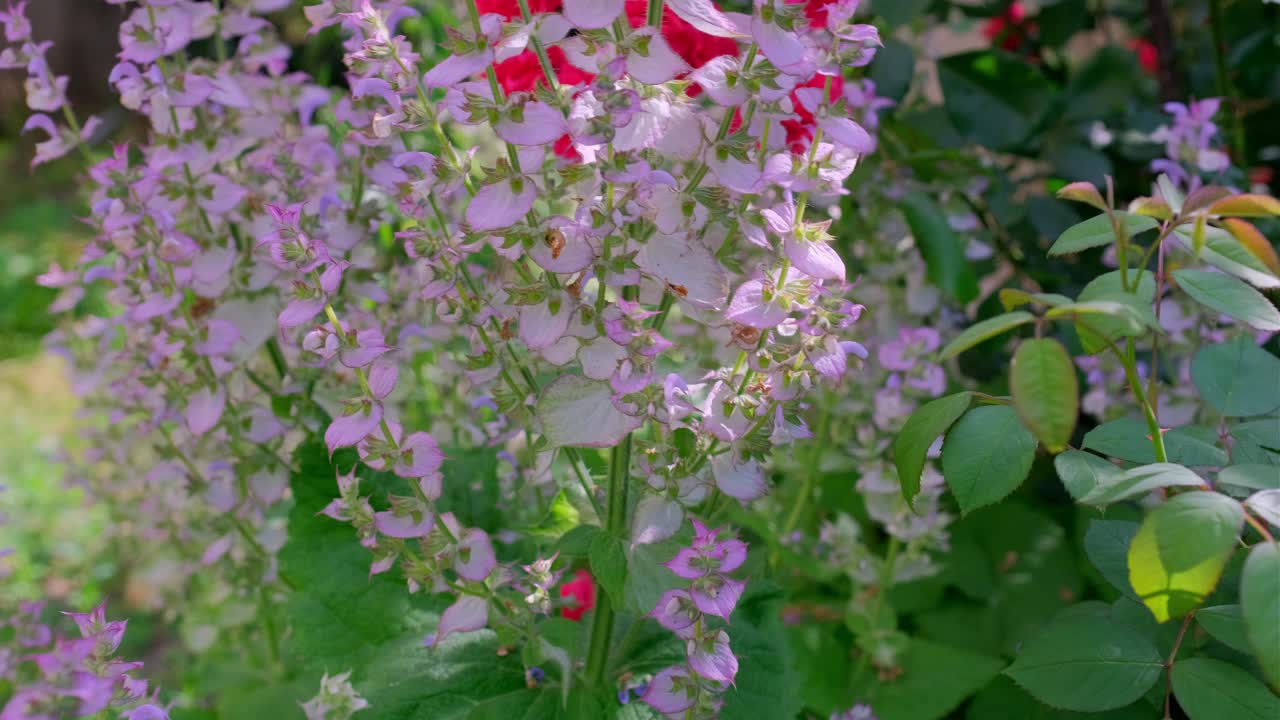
column 1010, row 28
column 1148, row 56
column 583, row 590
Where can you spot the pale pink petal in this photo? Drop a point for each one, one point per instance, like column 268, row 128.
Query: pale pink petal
column 347, row 430
column 457, row 68
column 500, row 205
column 592, row 14
column 743, row 480
column 704, row 15
column 848, row 133
column 541, row 124
column 814, row 258
column 205, row 409
column 467, row 614
column 659, row 65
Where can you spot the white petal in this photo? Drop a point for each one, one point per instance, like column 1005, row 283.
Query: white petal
column 704, row 15
column 683, row 261
column 660, row 65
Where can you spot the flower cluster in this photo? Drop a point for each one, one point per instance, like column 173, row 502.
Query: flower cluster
column 1191, row 144
column 337, row 699
column 691, row 690
column 45, row 92
column 623, row 197
column 58, row 677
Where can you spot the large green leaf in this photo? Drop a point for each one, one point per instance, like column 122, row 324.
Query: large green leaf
column 911, row 446
column 1106, row 543
column 985, row 330
column 935, row 679
column 986, row 456
column 1129, row 439
column 1214, row 690
column 1087, row 663
column 1226, row 624
column 1260, row 601
column 943, row 250
column 1097, row 231
column 1230, row 297
column 1237, row 378
column 1141, row 480
column 1004, row 700
column 994, row 98
column 1082, row 472
column 1178, row 555
column 1250, row 477
column 343, row 619
column 1045, row 392
column 766, row 682
column 609, row 565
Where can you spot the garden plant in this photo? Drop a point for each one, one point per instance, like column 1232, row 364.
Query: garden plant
column 661, row 359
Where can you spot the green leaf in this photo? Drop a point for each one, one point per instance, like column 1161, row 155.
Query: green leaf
column 911, row 446
column 1252, row 477
column 1004, row 700
column 1237, row 378
column 608, row 556
column 1214, row 690
column 943, row 250
column 985, row 330
column 935, row 679
column 1178, row 555
column 561, row 517
column 1106, row 543
column 1264, row 432
column 1045, row 393
column 577, row 541
column 1096, row 308
column 986, row 456
column 994, row 98
column 1225, row 252
column 766, row 681
column 1141, row 480
column 1230, row 297
column 341, row 618
column 474, row 493
column 1260, row 601
column 1011, row 298
column 1226, row 624
column 1097, row 231
column 1087, row 663
column 648, row 577
column 1081, row 472
column 1127, row 439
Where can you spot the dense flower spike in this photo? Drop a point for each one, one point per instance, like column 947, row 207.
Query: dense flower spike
column 637, row 193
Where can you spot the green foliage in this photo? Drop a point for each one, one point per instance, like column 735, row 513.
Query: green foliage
column 1097, row 231
column 1107, row 542
column 1087, row 663
column 1211, row 690
column 1129, row 439
column 1045, row 393
column 942, row 249
column 1260, row 603
column 1139, row 481
column 994, row 98
column 1237, row 378
column 985, row 330
column 1229, row 296
column 1179, row 553
column 986, row 456
column 341, row 618
column 911, row 446
column 935, row 680
column 609, row 564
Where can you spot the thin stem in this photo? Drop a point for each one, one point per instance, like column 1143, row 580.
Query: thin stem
column 654, row 17
column 885, row 581
column 543, row 60
column 810, row 479
column 1168, row 666
column 615, row 524
column 1260, row 526
column 1225, row 88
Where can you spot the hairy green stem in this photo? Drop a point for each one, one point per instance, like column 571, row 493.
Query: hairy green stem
column 616, row 525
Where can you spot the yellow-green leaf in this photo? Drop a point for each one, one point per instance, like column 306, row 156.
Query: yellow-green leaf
column 985, row 330
column 1178, row 555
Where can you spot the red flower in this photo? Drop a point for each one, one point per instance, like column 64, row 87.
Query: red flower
column 1148, row 56
column 1010, row 28
column 510, row 9
column 696, row 47
column 814, row 10
column 800, row 130
column 583, row 590
column 522, row 73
